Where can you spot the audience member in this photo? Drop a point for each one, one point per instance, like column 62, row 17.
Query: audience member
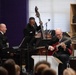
column 17, row 67
column 3, row 71
column 10, row 66
column 48, row 71
column 40, row 66
column 69, row 71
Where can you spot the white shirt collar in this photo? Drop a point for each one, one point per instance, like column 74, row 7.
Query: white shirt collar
column 1, row 32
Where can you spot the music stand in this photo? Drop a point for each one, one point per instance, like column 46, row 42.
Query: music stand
column 26, row 47
column 24, row 42
column 43, row 43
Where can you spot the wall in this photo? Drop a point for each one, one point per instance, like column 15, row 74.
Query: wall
column 58, row 11
column 14, row 15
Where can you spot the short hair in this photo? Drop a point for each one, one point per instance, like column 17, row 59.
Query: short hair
column 10, row 66
column 10, row 61
column 48, row 71
column 3, row 71
column 31, row 18
column 40, row 66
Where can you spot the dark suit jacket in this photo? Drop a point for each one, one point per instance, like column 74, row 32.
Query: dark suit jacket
column 67, row 41
column 3, row 41
column 29, row 33
column 30, row 30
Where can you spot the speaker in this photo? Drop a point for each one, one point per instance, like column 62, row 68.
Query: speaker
column 73, row 62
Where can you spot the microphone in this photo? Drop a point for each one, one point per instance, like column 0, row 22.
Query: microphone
column 48, row 19
column 47, row 22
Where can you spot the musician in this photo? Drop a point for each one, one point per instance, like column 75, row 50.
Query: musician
column 64, row 50
column 3, row 39
column 31, row 28
column 29, row 34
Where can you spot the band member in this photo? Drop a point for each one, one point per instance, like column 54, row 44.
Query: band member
column 31, row 28
column 61, row 47
column 3, row 39
column 30, row 31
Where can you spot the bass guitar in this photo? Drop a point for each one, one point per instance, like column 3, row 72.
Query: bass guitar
column 38, row 15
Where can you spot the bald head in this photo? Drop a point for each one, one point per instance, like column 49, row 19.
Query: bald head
column 58, row 30
column 58, row 33
column 3, row 28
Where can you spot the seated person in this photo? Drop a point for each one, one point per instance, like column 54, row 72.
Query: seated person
column 69, row 71
column 64, row 33
column 3, row 71
column 9, row 65
column 17, row 68
column 61, row 47
column 48, row 71
column 40, row 66
column 3, row 38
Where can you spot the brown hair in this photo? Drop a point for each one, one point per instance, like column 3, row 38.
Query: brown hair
column 48, row 71
column 10, row 66
column 3, row 71
column 40, row 66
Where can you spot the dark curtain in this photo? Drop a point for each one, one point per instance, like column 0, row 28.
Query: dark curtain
column 0, row 10
column 14, row 13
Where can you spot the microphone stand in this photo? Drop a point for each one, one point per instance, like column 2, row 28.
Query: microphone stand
column 46, row 39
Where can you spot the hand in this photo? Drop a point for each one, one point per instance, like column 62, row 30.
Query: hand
column 41, row 23
column 51, row 48
column 63, row 46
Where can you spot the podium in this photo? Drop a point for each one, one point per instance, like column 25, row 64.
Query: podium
column 51, row 59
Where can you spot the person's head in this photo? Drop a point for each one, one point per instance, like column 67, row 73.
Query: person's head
column 32, row 21
column 3, row 71
column 58, row 33
column 3, row 27
column 10, row 66
column 69, row 71
column 17, row 67
column 66, row 72
column 72, row 71
column 48, row 71
column 40, row 66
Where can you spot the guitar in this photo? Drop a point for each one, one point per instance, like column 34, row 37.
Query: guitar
column 38, row 15
column 56, row 46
